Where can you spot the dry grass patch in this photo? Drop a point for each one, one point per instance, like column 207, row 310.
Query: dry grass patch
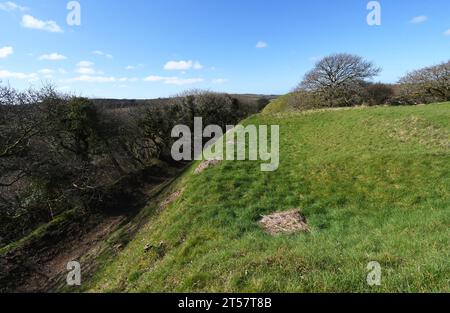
column 422, row 131
column 170, row 199
column 287, row 222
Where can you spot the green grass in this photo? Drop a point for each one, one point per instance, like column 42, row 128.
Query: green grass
column 280, row 104
column 374, row 184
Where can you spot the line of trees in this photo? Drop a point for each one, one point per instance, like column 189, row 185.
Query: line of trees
column 59, row 152
column 427, row 85
column 344, row 80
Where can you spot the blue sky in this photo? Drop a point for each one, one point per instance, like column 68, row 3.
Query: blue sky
column 157, row 48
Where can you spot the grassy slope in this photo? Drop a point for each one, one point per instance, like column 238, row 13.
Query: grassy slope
column 374, row 184
column 278, row 105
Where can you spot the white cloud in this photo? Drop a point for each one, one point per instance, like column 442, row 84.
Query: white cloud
column 101, row 79
column 29, row 21
column 85, row 64
column 419, row 19
column 447, row 32
column 197, row 65
column 46, row 71
column 52, row 57
column 183, row 81
column 178, row 65
column 128, row 79
column 85, row 68
column 93, row 79
column 16, row 75
column 11, row 6
column 261, row 45
column 5, row 52
column 130, row 67
column 62, row 71
column 173, row 80
column 87, row 71
column 182, row 65
column 104, row 54
column 219, row 81
column 153, row 78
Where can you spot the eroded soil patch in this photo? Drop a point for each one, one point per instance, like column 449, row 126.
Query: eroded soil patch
column 170, row 199
column 287, row 222
column 205, row 164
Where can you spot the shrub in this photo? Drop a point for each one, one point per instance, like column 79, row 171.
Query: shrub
column 378, row 93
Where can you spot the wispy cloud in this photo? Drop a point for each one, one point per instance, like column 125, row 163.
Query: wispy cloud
column 85, row 64
column 4, row 74
column 46, row 71
column 261, row 45
column 153, row 78
column 87, row 71
column 173, row 80
column 93, row 79
column 11, row 6
column 134, row 67
column 52, row 57
column 127, row 79
column 219, row 81
column 104, row 54
column 182, row 65
column 314, row 59
column 101, row 79
column 419, row 19
column 6, row 52
column 85, row 68
column 29, row 21
column 183, row 81
column 447, row 32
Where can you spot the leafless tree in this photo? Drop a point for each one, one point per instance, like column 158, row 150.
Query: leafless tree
column 428, row 84
column 339, row 79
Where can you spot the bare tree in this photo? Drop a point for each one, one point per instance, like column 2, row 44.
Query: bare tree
column 339, row 78
column 429, row 84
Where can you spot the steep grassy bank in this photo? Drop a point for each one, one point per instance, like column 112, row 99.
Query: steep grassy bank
column 373, row 183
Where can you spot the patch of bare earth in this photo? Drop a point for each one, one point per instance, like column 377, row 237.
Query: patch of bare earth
column 288, row 222
column 205, row 164
column 170, row 199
